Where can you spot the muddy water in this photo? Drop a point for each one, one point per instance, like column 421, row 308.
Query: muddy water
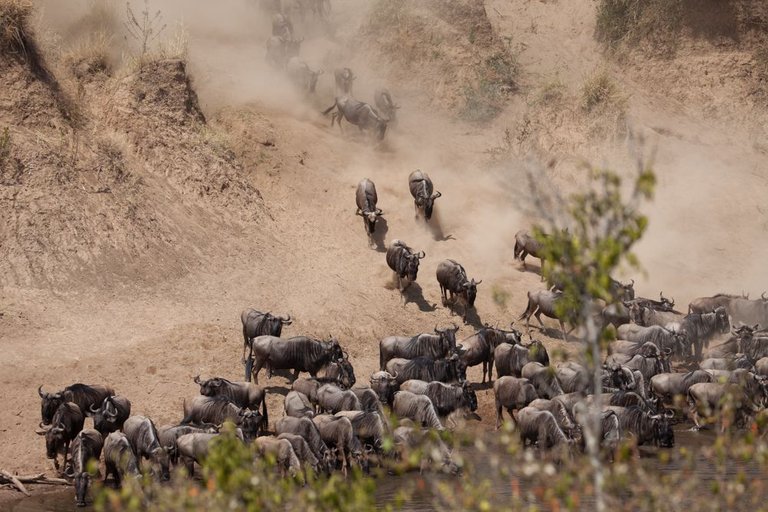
column 421, row 499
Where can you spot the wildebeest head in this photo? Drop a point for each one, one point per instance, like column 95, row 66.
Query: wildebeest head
column 54, row 439
column 385, row 385
column 412, row 264
column 161, row 458
column 104, row 416
column 721, row 319
column 469, row 395
column 621, row 291
column 249, row 422
column 81, row 487
column 471, row 288
column 537, row 352
column 459, row 367
column 428, row 203
column 663, row 435
column 274, row 324
column 620, row 377
column 346, row 372
column 50, row 402
column 449, row 335
column 370, row 219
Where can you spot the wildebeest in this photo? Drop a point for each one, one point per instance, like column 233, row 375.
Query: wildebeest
column 366, row 199
column 404, row 262
column 656, row 334
column 526, row 244
column 564, row 419
column 344, row 79
column 700, row 328
column 645, row 426
column 67, row 422
column 86, row 447
column 83, row 395
column 383, row 101
column 573, row 377
column 727, row 363
column 301, row 76
column 282, row 26
column 119, row 459
column 369, row 427
column 297, row 405
column 450, row 369
column 610, row 430
column 631, row 348
column 752, row 341
column 281, row 49
column 741, row 309
column 453, row 279
column 418, row 408
column 307, row 429
column 307, row 387
column 339, row 372
column 543, row 301
column 193, row 448
column 423, row 192
column 256, row 323
column 446, row 398
column 744, row 398
column 359, row 114
column 668, row 386
column 245, row 395
column 205, row 410
column 648, row 366
column 479, row 347
column 512, row 393
column 300, row 353
column 111, row 415
column 647, row 316
column 540, row 428
column 303, row 453
column 332, row 399
column 169, row 435
column 434, row 346
column 369, row 400
column 434, row 453
column 142, row 435
column 385, row 385
column 543, row 378
column 282, row 451
column 510, row 359
column 337, row 431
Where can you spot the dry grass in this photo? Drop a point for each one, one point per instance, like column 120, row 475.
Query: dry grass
column 90, row 56
column 14, row 24
column 655, row 23
column 601, row 93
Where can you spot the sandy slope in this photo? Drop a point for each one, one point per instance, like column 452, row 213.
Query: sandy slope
column 308, row 255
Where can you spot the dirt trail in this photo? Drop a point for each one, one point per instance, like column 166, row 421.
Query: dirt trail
column 308, row 256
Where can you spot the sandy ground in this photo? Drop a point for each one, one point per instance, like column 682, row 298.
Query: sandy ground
column 309, row 256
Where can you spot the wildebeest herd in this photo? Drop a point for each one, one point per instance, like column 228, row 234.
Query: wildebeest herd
column 331, row 424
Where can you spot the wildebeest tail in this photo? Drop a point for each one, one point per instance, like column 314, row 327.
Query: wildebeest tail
column 529, row 309
column 265, row 414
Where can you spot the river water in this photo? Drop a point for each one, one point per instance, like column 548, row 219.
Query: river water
column 422, row 498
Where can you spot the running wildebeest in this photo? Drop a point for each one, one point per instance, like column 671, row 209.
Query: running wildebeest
column 383, row 101
column 343, row 78
column 359, row 114
column 453, row 279
column 86, row 447
column 404, row 262
column 526, row 244
column 300, row 353
column 433, row 346
column 366, row 199
column 479, row 347
column 301, row 76
column 543, row 301
column 423, row 192
column 83, row 395
column 111, row 415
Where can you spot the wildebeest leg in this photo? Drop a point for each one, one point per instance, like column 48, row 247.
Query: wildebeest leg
column 257, row 365
column 537, row 314
column 443, row 294
column 694, row 413
column 523, row 254
column 110, row 469
column 562, row 329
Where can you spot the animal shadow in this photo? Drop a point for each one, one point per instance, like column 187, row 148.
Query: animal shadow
column 414, row 294
column 380, row 235
column 435, row 228
column 473, row 319
column 278, row 390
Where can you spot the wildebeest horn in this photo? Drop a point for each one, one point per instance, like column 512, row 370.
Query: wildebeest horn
column 40, row 392
column 41, row 426
column 669, row 413
column 477, row 282
column 436, row 195
column 762, row 296
column 287, row 320
column 379, row 212
column 197, row 379
column 359, row 212
column 94, row 409
column 632, row 282
column 421, row 254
